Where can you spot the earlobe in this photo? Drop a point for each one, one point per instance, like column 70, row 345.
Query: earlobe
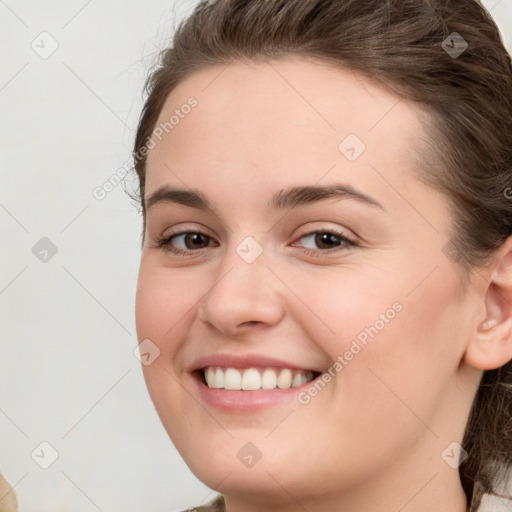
column 491, row 347
column 488, row 324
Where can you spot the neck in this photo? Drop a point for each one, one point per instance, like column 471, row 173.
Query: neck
column 430, row 489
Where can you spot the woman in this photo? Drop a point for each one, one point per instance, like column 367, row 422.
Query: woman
column 325, row 288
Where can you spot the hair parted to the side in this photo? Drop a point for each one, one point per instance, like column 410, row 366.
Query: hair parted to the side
column 469, row 100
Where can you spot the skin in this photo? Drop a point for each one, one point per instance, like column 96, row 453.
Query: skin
column 372, row 439
column 9, row 501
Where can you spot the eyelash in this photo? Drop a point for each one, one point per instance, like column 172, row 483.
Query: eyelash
column 165, row 242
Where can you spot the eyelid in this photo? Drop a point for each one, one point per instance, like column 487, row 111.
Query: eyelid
column 185, row 227
column 347, row 242
column 323, row 228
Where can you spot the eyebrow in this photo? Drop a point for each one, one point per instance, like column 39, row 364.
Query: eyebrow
column 293, row 197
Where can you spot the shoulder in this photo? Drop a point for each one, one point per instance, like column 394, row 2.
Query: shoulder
column 493, row 503
column 9, row 501
column 483, row 501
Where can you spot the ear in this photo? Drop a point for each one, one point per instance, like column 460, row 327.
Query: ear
column 491, row 343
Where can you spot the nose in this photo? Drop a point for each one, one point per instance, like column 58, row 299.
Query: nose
column 243, row 296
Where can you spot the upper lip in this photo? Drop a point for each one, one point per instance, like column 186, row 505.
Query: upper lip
column 246, row 361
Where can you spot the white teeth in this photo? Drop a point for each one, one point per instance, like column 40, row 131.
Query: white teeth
column 210, row 376
column 269, row 379
column 232, row 379
column 297, row 380
column 284, row 381
column 251, row 379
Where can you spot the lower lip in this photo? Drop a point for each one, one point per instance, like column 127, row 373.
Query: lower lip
column 243, row 401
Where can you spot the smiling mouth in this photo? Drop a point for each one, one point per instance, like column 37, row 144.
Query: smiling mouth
column 252, row 379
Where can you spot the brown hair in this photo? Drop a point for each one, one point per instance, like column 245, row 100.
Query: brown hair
column 406, row 45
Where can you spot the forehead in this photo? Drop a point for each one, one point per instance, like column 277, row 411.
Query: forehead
column 282, row 121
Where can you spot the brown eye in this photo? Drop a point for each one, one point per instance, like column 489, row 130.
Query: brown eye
column 192, row 240
column 327, row 241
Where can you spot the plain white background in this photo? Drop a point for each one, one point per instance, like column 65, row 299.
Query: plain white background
column 69, row 376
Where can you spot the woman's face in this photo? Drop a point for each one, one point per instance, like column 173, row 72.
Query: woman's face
column 266, row 273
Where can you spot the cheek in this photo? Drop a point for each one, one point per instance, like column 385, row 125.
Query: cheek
column 346, row 304
column 397, row 344
column 162, row 302
column 160, row 310
column 402, row 377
